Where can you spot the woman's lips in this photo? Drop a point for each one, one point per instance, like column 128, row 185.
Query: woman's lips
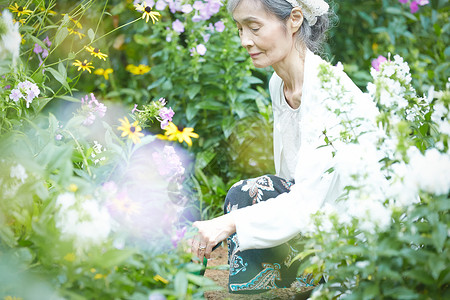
column 253, row 55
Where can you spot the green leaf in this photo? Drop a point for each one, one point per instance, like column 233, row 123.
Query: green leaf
column 91, row 34
column 114, row 257
column 193, row 90
column 69, row 98
column 181, row 285
column 59, row 77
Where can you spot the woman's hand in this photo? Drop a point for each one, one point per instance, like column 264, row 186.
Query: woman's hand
column 210, row 233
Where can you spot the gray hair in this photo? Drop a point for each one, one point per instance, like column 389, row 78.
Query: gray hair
column 311, row 36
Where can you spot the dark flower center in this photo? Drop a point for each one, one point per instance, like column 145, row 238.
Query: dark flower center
column 84, row 63
column 132, row 129
column 20, row 8
column 148, row 9
column 96, row 50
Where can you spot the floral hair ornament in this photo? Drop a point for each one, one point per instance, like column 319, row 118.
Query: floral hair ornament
column 311, row 9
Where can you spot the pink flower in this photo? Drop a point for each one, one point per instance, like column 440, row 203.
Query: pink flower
column 178, row 26
column 403, row 1
column 376, row 63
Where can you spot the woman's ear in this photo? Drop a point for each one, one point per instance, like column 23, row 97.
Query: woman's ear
column 296, row 19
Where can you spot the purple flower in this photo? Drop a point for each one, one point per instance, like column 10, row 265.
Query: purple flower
column 166, row 113
column 160, row 5
column 58, row 137
column 196, row 18
column 178, row 236
column 206, row 37
column 47, row 42
column 376, row 63
column 220, row 26
column 201, row 49
column 91, row 108
column 422, row 2
column 414, row 7
column 7, row 87
column 178, row 26
column 15, row 95
column 174, row 6
column 198, row 5
column 37, row 48
column 186, row 8
column 403, row 1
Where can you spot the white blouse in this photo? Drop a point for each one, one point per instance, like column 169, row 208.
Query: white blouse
column 277, row 220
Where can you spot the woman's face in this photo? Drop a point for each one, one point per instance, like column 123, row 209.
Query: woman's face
column 266, row 39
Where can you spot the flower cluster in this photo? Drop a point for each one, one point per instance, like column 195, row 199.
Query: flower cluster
column 441, row 111
column 414, row 5
column 92, row 108
column 155, row 110
column 25, row 90
column 82, row 220
column 392, row 85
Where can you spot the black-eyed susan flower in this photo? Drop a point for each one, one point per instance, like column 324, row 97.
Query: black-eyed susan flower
column 172, row 133
column 96, row 52
column 147, row 12
column 138, row 70
column 104, row 72
column 85, row 65
column 72, row 31
column 20, row 10
column 132, row 130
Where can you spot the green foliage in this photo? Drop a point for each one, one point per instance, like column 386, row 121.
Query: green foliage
column 371, row 28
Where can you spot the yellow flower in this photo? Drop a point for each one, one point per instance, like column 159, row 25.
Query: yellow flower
column 80, row 35
column 70, row 257
column 132, row 130
column 20, row 10
column 49, row 11
column 73, row 187
column 96, row 52
column 138, row 70
column 78, row 24
column 21, row 21
column 172, row 133
column 85, row 65
column 161, row 279
column 99, row 276
column 104, row 72
column 147, row 12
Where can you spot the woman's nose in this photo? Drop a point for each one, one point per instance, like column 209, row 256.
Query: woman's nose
column 246, row 41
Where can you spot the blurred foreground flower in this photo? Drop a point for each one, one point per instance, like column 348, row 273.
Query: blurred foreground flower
column 96, row 52
column 82, row 220
column 85, row 65
column 147, row 12
column 10, row 37
column 138, row 70
column 20, row 10
column 172, row 133
column 132, row 130
column 378, row 61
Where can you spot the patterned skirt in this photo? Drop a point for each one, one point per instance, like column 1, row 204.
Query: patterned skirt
column 260, row 270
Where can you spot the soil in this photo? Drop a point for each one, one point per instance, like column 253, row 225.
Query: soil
column 219, row 258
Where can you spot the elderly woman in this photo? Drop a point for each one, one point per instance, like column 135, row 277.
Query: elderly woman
column 264, row 214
